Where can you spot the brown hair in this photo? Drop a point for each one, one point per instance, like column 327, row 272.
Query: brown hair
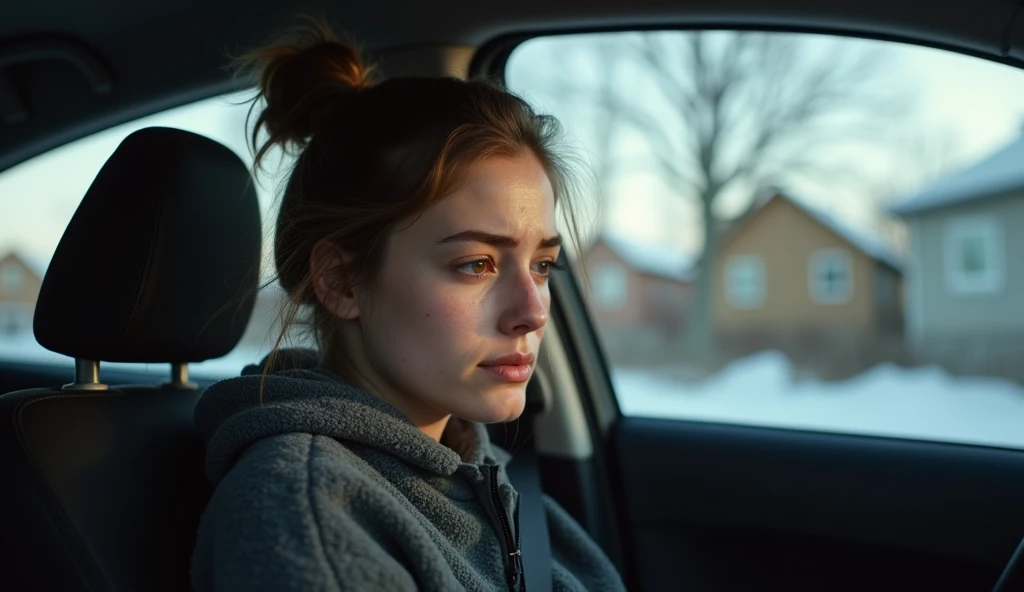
column 371, row 154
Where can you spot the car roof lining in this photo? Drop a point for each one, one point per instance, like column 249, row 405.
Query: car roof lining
column 163, row 54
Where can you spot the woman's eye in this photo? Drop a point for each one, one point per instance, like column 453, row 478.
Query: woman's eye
column 478, row 267
column 544, row 267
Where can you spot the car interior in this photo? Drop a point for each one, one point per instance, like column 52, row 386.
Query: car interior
column 103, row 482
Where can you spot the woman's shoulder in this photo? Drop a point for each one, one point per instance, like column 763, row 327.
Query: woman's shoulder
column 282, row 518
column 295, row 458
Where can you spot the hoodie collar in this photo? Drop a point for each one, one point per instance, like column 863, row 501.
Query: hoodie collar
column 230, row 417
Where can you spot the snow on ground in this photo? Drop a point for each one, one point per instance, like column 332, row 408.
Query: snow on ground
column 919, row 403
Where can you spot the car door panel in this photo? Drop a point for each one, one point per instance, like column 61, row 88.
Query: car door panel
column 733, row 507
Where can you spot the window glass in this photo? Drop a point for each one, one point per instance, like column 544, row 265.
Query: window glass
column 840, row 215
column 43, row 193
column 610, row 286
column 974, row 256
column 831, row 276
column 745, row 281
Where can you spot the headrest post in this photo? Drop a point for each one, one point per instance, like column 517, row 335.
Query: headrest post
column 87, row 377
column 179, row 378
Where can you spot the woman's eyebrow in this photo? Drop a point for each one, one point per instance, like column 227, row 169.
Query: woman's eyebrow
column 497, row 240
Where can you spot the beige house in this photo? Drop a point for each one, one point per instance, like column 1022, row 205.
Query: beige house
column 20, row 281
column 788, row 271
column 638, row 296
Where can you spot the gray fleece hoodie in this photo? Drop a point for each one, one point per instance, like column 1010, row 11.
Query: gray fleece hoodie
column 326, row 487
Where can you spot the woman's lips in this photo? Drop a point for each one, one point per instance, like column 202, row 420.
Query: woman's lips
column 513, row 367
column 509, row 372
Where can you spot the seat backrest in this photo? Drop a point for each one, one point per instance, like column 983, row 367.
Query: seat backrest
column 103, row 486
column 102, row 491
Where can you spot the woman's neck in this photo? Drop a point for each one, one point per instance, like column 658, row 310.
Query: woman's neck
column 431, row 421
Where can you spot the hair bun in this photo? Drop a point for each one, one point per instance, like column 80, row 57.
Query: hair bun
column 303, row 78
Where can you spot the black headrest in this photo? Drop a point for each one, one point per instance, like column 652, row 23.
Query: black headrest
column 160, row 262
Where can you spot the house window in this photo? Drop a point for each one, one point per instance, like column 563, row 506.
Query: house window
column 745, row 281
column 830, row 276
column 611, row 288
column 12, row 278
column 974, row 255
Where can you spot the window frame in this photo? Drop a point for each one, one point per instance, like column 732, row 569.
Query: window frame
column 755, row 262
column 817, row 261
column 601, row 271
column 960, row 283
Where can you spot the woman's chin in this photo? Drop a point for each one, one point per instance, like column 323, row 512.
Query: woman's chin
column 496, row 410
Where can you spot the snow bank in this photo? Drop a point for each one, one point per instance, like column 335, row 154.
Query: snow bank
column 921, row 403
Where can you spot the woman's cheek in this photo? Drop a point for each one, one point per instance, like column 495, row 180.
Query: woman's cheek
column 457, row 315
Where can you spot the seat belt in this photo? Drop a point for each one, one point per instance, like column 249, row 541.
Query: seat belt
column 524, row 473
column 1012, row 578
column 534, row 541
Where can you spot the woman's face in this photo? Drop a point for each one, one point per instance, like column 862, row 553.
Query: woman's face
column 453, row 321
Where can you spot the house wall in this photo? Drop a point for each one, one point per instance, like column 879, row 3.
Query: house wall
column 17, row 305
column 16, row 319
column 888, row 299
column 941, row 320
column 632, row 310
column 785, row 237
column 651, row 318
column 30, row 284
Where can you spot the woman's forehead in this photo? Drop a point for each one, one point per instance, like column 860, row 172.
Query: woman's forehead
column 508, row 196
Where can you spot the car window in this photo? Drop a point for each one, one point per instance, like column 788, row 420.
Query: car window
column 41, row 195
column 798, row 230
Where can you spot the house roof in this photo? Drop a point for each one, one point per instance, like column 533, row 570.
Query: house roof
column 994, row 175
column 870, row 243
column 35, row 264
column 862, row 239
column 671, row 264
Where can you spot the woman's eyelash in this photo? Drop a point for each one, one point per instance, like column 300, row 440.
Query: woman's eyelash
column 466, row 264
column 550, row 266
column 465, row 267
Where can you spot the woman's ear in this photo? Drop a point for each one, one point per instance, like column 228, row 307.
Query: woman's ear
column 328, row 267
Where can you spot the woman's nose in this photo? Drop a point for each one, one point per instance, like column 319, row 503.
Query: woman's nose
column 527, row 306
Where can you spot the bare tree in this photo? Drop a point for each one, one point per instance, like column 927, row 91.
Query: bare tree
column 737, row 109
column 606, row 127
column 923, row 155
column 601, row 57
column 920, row 157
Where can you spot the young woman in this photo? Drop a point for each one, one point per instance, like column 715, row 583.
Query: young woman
column 418, row 229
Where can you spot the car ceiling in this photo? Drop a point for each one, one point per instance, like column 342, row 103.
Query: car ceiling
column 163, row 53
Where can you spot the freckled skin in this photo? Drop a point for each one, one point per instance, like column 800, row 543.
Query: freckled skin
column 432, row 315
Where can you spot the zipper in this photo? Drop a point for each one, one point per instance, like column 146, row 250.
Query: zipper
column 514, row 558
